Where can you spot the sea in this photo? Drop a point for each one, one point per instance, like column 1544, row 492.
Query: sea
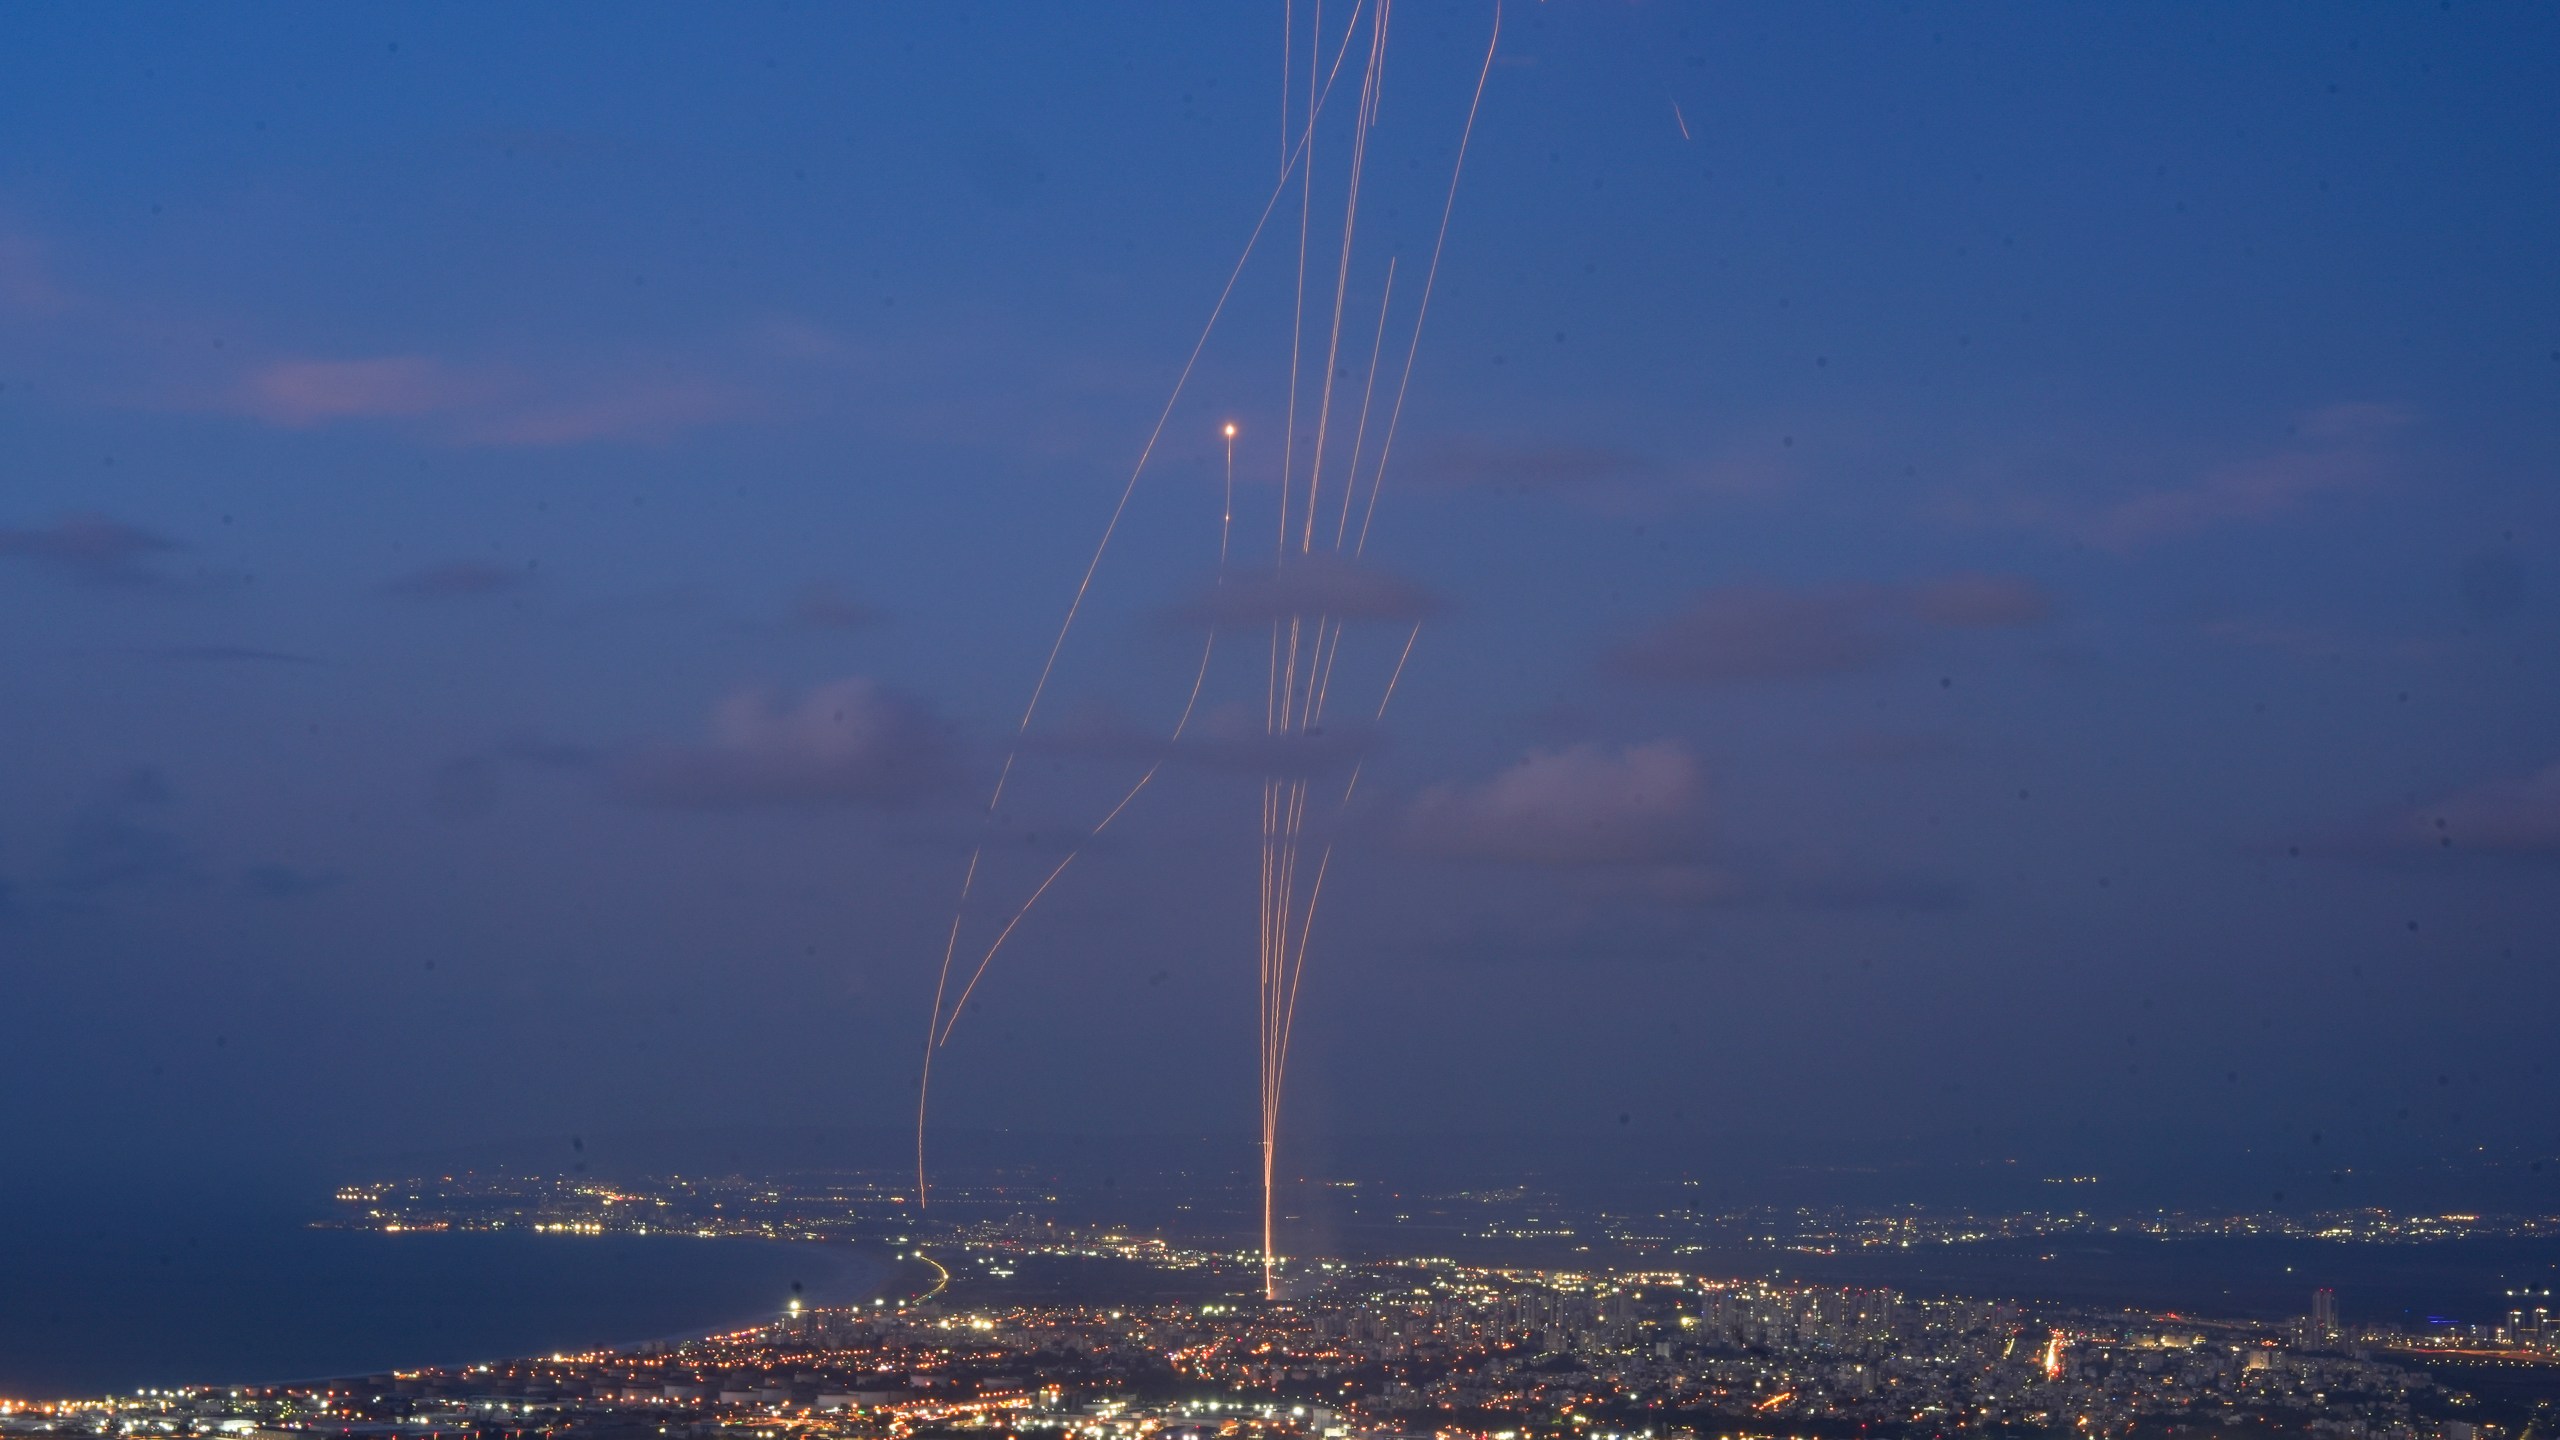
column 142, row 1287
column 157, row 1290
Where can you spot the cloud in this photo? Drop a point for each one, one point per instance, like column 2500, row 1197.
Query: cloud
column 1749, row 632
column 2337, row 449
column 479, row 405
column 1324, row 749
column 1764, row 632
column 1627, row 828
column 508, row 398
column 459, row 579
column 794, row 337
column 299, row 394
column 2351, row 422
column 851, row 742
column 1979, row 602
column 1580, row 805
column 1309, row 586
column 92, row 549
column 2518, row 815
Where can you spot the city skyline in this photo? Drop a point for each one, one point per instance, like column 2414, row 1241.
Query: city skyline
column 1769, row 1314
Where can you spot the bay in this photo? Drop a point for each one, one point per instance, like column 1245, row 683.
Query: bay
column 117, row 1296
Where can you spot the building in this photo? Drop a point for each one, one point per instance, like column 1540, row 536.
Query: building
column 2324, row 1316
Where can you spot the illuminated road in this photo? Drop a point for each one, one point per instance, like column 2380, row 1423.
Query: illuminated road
column 939, row 1285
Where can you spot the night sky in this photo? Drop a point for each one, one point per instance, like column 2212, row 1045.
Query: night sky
column 1981, row 569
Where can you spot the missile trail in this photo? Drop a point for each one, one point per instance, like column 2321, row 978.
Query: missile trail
column 934, row 1027
column 1305, row 642
column 1287, row 928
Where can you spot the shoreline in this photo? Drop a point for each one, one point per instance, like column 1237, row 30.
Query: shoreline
column 86, row 1322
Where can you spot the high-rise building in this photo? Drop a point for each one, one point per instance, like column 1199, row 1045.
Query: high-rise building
column 2324, row 1315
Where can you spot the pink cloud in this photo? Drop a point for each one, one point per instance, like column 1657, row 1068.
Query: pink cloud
column 1581, row 805
column 485, row 406
column 1766, row 632
column 2352, row 422
column 92, row 548
column 1980, row 602
column 849, row 742
column 2338, row 449
column 469, row 401
column 1309, row 586
column 2516, row 815
column 301, row 393
column 1759, row 632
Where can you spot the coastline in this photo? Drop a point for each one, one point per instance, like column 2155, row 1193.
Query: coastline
column 266, row 1299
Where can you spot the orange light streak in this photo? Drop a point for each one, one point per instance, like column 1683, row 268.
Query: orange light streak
column 1296, row 707
column 935, row 1030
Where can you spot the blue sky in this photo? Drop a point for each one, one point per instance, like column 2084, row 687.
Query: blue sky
column 1968, row 551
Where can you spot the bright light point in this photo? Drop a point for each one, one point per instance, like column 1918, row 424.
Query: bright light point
column 1231, row 430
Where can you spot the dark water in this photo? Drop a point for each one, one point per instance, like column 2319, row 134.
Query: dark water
column 102, row 1300
column 2459, row 1280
